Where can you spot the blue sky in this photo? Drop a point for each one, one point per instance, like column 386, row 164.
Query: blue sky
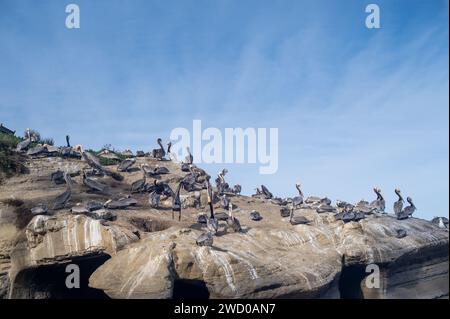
column 355, row 107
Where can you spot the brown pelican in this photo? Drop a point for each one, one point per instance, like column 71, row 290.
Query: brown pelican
column 202, row 219
column 401, row 233
column 298, row 200
column 154, row 199
column 407, row 211
column 159, row 153
column 232, row 221
column 237, row 189
column 94, row 185
column 205, row 239
column 297, row 220
column 398, row 205
column 94, row 162
column 68, row 140
column 379, row 204
column 220, row 181
column 266, row 192
column 312, row 200
column 26, row 142
column 225, row 202
column 40, row 209
column 121, row 203
column 258, row 192
column 256, row 216
column 341, row 203
column 58, row 177
column 61, row 200
column 176, row 202
column 212, row 223
column 125, row 165
column 139, row 185
column 325, row 206
column 161, row 188
column 285, row 212
column 189, row 159
column 160, row 170
column 411, row 208
column 172, row 156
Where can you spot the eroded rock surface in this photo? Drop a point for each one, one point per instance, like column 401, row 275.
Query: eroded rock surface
column 143, row 253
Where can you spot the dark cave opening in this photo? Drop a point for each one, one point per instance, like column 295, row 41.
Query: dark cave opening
column 190, row 289
column 350, row 282
column 47, row 282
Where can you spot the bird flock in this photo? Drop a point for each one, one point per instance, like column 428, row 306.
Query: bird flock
column 194, row 181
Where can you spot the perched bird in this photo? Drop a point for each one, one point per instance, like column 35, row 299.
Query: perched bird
column 61, row 200
column 256, row 216
column 205, row 239
column 176, row 202
column 225, row 201
column 125, row 165
column 232, row 221
column 139, row 185
column 379, row 204
column 297, row 220
column 398, row 205
column 159, row 153
column 408, row 210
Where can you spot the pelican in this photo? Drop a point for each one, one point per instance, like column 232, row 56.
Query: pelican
column 256, row 216
column 325, row 206
column 266, row 192
column 125, row 165
column 93, row 184
column 161, row 188
column 154, row 199
column 94, row 162
column 379, row 204
column 58, row 177
column 409, row 210
column 68, row 140
column 205, row 239
column 139, row 185
column 284, row 212
column 159, row 153
column 401, row 233
column 232, row 221
column 25, row 143
column 298, row 200
column 160, row 170
column 398, row 205
column 172, row 156
column 176, row 202
column 237, row 189
column 189, row 159
column 297, row 220
column 61, row 200
column 202, row 219
column 225, row 202
column 212, row 223
column 40, row 209
column 220, row 181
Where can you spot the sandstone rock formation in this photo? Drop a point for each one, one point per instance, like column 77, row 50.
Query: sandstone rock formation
column 143, row 253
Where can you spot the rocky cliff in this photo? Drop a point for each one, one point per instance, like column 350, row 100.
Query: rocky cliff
column 141, row 252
